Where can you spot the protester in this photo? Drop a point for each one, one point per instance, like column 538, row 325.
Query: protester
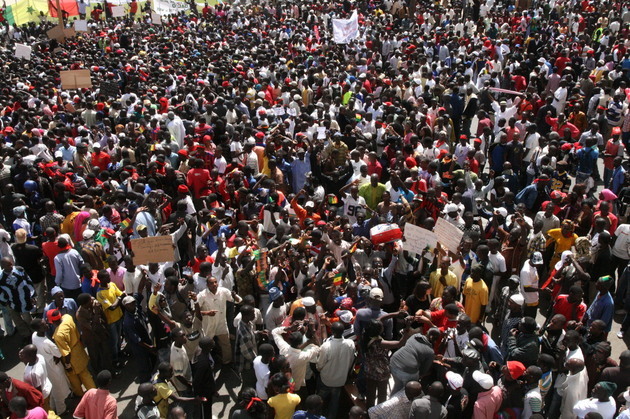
column 441, row 194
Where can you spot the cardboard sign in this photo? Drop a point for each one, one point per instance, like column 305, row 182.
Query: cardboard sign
column 110, row 89
column 57, row 33
column 418, row 239
column 80, row 25
column 155, row 249
column 118, row 11
column 448, row 234
column 75, row 79
column 23, row 51
column 69, row 32
column 156, row 19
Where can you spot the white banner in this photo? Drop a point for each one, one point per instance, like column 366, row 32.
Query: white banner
column 118, row 11
column 170, row 7
column 80, row 25
column 22, row 51
column 418, row 239
column 345, row 30
column 448, row 234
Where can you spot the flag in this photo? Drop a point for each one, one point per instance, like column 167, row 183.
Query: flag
column 345, row 30
column 124, row 225
column 25, row 11
column 337, row 279
column 68, row 7
column 316, row 31
column 353, row 248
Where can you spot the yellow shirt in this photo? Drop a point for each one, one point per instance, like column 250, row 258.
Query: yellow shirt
column 284, row 405
column 164, row 391
column 437, row 287
column 107, row 297
column 476, row 296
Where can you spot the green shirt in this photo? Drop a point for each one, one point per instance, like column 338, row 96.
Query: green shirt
column 372, row 195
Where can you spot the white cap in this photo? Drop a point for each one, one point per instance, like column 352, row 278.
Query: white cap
column 308, row 301
column 451, row 208
column 502, row 211
column 88, row 234
column 455, row 381
column 484, row 380
column 376, row 294
column 517, row 299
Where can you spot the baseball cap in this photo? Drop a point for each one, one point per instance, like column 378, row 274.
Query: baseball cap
column 308, row 301
column 501, row 211
column 88, row 234
column 345, row 316
column 55, row 290
column 128, row 300
column 516, row 369
column 274, row 293
column 455, row 381
column 450, row 208
column 376, row 294
column 517, row 299
column 484, row 380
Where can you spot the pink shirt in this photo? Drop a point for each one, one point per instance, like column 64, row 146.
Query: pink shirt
column 97, row 404
column 488, row 403
column 117, row 277
column 36, row 413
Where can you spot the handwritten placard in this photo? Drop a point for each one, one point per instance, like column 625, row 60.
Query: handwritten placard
column 56, row 33
column 448, row 234
column 155, row 18
column 418, row 239
column 23, row 51
column 118, row 11
column 152, row 250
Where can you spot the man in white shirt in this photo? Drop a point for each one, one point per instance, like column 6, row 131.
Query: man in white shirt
column 211, row 302
column 529, row 284
column 336, row 357
column 601, row 401
column 182, row 372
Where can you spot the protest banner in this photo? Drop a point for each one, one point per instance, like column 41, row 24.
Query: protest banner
column 109, row 89
column 345, row 30
column 154, row 249
column 118, row 11
column 75, row 79
column 448, row 234
column 57, row 33
column 23, row 51
column 170, row 7
column 418, row 239
column 80, row 25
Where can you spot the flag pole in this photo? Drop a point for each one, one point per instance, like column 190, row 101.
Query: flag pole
column 60, row 14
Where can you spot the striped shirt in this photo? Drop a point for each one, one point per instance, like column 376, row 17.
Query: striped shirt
column 16, row 290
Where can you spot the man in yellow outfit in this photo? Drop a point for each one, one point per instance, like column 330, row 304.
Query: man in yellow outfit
column 74, row 357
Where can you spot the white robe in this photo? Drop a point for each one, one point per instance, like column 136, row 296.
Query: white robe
column 574, row 389
column 56, row 373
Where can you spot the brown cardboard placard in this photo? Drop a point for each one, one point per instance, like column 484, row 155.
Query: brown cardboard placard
column 57, row 33
column 155, row 249
column 75, row 79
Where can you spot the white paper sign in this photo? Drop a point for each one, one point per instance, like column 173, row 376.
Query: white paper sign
column 279, row 111
column 291, row 112
column 448, row 234
column 170, row 7
column 417, row 239
column 23, row 51
column 321, row 133
column 118, row 11
column 80, row 25
column 345, row 30
column 156, row 19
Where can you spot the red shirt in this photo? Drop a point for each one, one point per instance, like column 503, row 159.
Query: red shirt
column 194, row 264
column 51, row 250
column 569, row 310
column 101, row 160
column 197, row 180
column 374, row 168
column 441, row 321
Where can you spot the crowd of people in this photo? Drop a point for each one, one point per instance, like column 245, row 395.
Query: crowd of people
column 286, row 168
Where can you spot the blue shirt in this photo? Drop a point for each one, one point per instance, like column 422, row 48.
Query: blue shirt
column 618, row 178
column 602, row 308
column 67, row 267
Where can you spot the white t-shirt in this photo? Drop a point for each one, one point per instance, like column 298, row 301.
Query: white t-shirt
column 262, row 377
column 37, row 376
column 621, row 249
column 529, row 278
column 606, row 409
column 181, row 367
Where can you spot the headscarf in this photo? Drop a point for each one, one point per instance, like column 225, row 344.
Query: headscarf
column 79, row 225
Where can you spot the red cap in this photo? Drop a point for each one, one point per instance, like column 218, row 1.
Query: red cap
column 477, row 140
column 53, row 315
column 463, row 137
column 183, row 189
column 516, row 369
column 109, row 232
column 183, row 153
column 260, row 135
column 616, row 131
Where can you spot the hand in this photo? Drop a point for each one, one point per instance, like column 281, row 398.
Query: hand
column 199, row 399
column 514, row 332
column 212, row 313
column 192, row 295
column 493, row 365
